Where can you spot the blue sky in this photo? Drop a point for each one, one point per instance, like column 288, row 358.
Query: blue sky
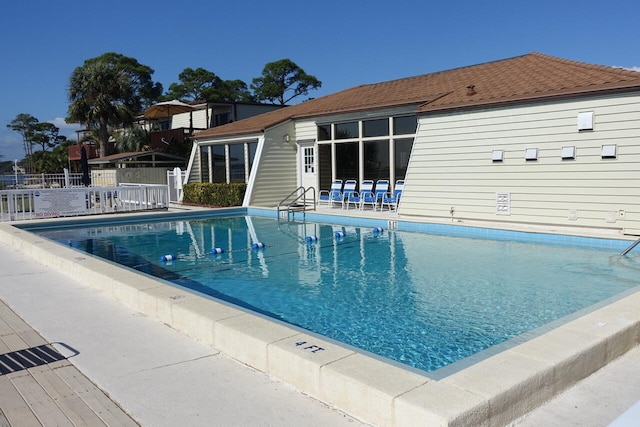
column 343, row 43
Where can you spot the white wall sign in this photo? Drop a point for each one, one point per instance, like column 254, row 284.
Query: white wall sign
column 54, row 203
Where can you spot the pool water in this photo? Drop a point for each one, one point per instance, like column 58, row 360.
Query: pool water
column 426, row 301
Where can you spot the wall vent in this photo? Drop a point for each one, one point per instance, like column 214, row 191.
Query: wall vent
column 503, row 203
column 585, row 121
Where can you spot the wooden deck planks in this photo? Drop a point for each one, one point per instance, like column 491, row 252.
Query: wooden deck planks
column 48, row 393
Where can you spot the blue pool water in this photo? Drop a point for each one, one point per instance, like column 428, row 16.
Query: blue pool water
column 422, row 300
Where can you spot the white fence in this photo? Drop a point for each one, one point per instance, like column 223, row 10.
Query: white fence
column 34, row 203
column 175, row 179
column 42, row 180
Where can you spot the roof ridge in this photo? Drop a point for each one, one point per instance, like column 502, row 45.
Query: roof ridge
column 434, row 73
column 588, row 66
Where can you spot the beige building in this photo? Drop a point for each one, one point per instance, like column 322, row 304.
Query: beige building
column 531, row 139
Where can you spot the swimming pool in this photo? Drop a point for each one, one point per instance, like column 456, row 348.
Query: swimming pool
column 426, row 301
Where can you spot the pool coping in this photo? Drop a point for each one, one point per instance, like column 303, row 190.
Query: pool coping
column 494, row 391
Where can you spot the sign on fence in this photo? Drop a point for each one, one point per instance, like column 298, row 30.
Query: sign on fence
column 52, row 203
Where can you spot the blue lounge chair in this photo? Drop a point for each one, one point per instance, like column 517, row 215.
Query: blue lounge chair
column 348, row 191
column 374, row 197
column 392, row 199
column 366, row 187
column 334, row 195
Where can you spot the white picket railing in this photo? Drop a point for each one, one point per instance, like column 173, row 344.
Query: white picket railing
column 41, row 180
column 35, row 203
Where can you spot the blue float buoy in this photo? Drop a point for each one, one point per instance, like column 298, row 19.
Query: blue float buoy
column 258, row 245
column 339, row 234
column 216, row 251
column 377, row 230
column 312, row 238
column 166, row 258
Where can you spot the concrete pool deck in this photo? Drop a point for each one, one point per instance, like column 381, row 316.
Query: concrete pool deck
column 495, row 391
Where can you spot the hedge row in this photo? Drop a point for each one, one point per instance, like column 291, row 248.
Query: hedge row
column 214, row 194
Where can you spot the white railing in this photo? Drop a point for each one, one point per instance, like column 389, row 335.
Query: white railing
column 35, row 203
column 41, row 180
column 175, row 180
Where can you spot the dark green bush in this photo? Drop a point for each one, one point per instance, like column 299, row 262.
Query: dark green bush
column 214, row 194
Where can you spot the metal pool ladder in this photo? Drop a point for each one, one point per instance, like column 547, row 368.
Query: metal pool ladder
column 633, row 245
column 297, row 201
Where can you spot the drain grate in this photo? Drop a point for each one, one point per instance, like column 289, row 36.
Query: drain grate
column 28, row 358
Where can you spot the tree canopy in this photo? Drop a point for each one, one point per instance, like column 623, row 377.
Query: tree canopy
column 204, row 85
column 33, row 132
column 282, row 81
column 147, row 91
column 24, row 124
column 107, row 92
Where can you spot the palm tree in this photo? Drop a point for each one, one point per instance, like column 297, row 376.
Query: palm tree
column 103, row 97
column 134, row 138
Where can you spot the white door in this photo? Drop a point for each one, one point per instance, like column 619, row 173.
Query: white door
column 307, row 164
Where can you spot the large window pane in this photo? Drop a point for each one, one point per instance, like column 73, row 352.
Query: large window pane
column 347, row 160
column 236, row 162
column 219, row 174
column 204, row 163
column 405, row 125
column 402, row 152
column 376, row 159
column 347, row 130
column 378, row 127
column 253, row 146
column 324, row 166
column 324, row 132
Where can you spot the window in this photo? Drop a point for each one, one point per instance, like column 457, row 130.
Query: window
column 324, row 133
column 402, row 151
column 378, row 127
column 371, row 153
column 218, row 163
column 309, row 161
column 405, row 125
column 347, row 130
column 324, row 165
column 229, row 162
column 221, row 119
column 236, row 163
column 376, row 160
column 253, row 146
column 347, row 165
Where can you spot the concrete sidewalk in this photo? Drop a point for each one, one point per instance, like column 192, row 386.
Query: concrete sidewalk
column 158, row 375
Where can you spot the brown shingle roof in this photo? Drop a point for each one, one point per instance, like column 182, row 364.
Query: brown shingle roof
column 523, row 78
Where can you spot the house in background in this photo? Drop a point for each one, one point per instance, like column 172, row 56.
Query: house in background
column 532, row 139
column 176, row 129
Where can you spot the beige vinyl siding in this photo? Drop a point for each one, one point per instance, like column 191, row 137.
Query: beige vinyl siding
column 194, row 168
column 276, row 175
column 451, row 164
column 183, row 120
column 306, row 131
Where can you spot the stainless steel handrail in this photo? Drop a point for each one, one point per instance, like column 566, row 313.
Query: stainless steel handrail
column 294, row 202
column 633, row 245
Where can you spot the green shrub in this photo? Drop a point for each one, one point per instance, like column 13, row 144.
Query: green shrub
column 214, row 194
